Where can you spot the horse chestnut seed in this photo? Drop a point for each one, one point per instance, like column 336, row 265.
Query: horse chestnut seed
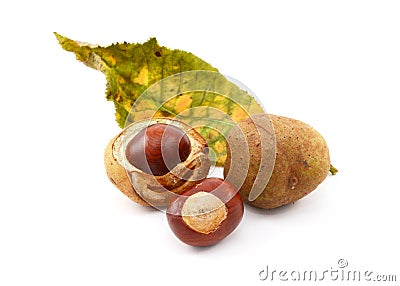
column 158, row 148
column 206, row 213
column 153, row 160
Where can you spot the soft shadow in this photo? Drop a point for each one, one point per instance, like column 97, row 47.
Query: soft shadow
column 276, row 211
column 201, row 249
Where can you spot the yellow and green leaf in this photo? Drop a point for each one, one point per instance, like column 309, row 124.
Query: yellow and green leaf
column 146, row 80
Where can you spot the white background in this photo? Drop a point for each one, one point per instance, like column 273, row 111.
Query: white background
column 332, row 64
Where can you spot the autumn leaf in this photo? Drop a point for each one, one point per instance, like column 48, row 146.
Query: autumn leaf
column 145, row 80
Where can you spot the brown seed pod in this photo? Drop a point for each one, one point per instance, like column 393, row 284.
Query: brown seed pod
column 137, row 158
column 302, row 161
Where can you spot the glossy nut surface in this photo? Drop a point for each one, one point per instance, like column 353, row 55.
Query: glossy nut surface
column 158, row 148
column 206, row 213
column 148, row 189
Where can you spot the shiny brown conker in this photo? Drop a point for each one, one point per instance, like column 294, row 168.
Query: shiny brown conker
column 206, row 213
column 158, row 148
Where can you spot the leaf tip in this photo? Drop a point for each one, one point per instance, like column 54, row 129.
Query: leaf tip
column 63, row 41
column 59, row 37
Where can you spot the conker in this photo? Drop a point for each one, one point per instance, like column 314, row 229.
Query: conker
column 206, row 213
column 153, row 160
column 158, row 148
